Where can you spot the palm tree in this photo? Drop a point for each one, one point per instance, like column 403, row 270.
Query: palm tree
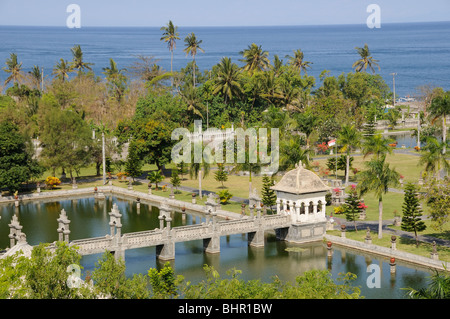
column 378, row 178
column 376, row 145
column 227, row 80
column 170, row 35
column 77, row 61
column 292, row 152
column 438, row 288
column 116, row 79
column 62, row 70
column 307, row 123
column 433, row 157
column 255, row 59
column 297, row 61
column 366, row 60
column 440, row 108
column 191, row 97
column 192, row 45
column 270, row 87
column 200, row 169
column 277, row 65
column 112, row 71
column 14, row 68
column 36, row 76
column 349, row 138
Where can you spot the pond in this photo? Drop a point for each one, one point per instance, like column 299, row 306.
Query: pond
column 89, row 218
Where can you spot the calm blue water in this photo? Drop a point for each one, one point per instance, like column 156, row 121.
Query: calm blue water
column 418, row 52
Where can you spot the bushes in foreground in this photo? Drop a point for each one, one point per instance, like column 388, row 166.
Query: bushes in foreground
column 57, row 275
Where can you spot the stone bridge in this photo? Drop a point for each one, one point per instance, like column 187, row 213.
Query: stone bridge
column 286, row 226
column 165, row 237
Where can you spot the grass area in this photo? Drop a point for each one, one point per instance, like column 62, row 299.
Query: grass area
column 403, row 244
column 405, row 164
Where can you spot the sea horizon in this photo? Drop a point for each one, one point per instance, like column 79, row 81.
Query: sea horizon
column 397, row 45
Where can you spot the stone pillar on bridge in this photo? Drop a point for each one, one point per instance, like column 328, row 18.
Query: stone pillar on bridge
column 63, row 227
column 166, row 251
column 256, row 239
column 115, row 225
column 211, row 245
column 15, row 231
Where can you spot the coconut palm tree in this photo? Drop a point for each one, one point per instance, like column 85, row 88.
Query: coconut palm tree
column 192, row 98
column 377, row 178
column 376, row 145
column 433, row 157
column 297, row 61
column 62, row 70
column 77, row 61
column 366, row 61
column 36, row 76
column 14, row 68
column 307, row 123
column 440, row 108
column 227, row 80
column 199, row 169
column 292, row 152
column 255, row 59
column 170, row 35
column 192, row 45
column 116, row 78
column 349, row 138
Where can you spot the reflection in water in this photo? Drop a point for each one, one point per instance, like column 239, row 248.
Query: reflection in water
column 89, row 218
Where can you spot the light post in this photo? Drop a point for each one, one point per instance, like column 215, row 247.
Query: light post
column 393, row 76
column 103, row 157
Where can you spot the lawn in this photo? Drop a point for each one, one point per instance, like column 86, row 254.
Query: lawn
column 238, row 186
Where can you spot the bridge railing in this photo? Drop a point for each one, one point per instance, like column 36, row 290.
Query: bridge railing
column 142, row 239
column 191, row 232
column 99, row 244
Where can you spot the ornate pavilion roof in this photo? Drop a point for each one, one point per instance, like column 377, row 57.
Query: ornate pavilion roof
column 300, row 181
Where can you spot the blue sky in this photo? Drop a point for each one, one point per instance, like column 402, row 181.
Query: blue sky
column 219, row 13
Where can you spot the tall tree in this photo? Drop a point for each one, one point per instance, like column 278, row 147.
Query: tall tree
column 14, row 68
column 192, row 45
column 376, row 145
column 255, row 59
column 36, row 77
column 16, row 165
column 77, row 60
column 366, row 61
column 440, row 108
column 170, row 35
column 117, row 80
column 433, row 157
column 412, row 212
column 62, row 69
column 352, row 207
column 377, row 178
column 349, row 138
column 133, row 164
column 190, row 95
column 227, row 80
column 66, row 140
column 297, row 61
column 269, row 197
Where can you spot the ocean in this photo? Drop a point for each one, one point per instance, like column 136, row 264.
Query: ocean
column 419, row 53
